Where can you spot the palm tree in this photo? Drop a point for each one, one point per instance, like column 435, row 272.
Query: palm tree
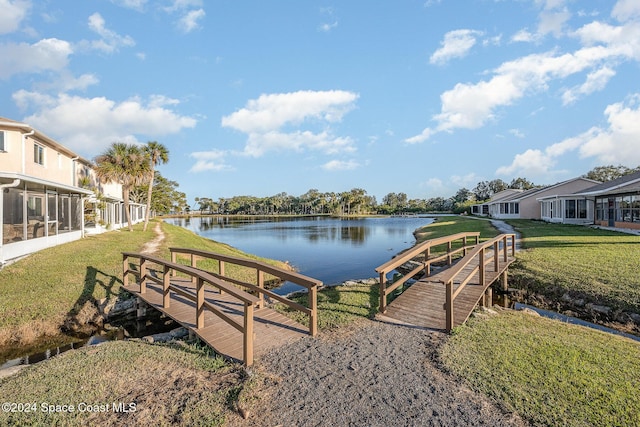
column 157, row 153
column 126, row 164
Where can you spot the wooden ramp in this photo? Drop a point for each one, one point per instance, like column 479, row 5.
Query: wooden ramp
column 271, row 329
column 234, row 322
column 446, row 299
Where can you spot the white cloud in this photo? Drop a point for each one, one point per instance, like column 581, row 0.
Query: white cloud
column 328, row 27
column 553, row 22
column 13, row 13
column 209, row 161
column 191, row 20
column 470, row 106
column 469, row 180
column 273, row 122
column 516, row 132
column 524, row 36
column 190, row 13
column 625, row 10
column 44, row 55
column 596, row 81
column 110, row 41
column 101, row 122
column 529, row 163
column 616, row 144
column 456, row 44
column 131, row 4
column 340, row 165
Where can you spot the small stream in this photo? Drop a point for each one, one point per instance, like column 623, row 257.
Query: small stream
column 110, row 332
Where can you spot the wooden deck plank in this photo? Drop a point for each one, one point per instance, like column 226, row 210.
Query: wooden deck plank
column 271, row 328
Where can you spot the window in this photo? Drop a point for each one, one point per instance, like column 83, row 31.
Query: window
column 582, row 209
column 570, row 209
column 3, row 146
column 38, row 154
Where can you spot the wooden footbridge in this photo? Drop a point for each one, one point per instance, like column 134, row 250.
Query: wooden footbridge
column 228, row 314
column 445, row 296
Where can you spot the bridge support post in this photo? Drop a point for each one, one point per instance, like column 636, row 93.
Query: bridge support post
column 383, row 294
column 248, row 335
column 504, row 281
column 448, row 305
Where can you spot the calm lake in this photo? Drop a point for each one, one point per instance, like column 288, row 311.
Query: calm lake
column 329, row 249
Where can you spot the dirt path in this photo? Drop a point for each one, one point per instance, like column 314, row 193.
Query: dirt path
column 152, row 246
column 374, row 374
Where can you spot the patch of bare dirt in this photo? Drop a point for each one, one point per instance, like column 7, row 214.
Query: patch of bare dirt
column 375, row 374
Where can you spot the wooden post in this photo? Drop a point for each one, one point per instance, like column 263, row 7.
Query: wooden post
column 166, row 280
column 488, row 297
column 125, row 274
column 200, row 304
column 174, row 259
column 449, row 260
column 313, row 306
column 464, row 245
column 481, row 267
column 221, row 271
column 505, row 252
column 143, row 275
column 248, row 334
column 505, row 282
column 193, row 264
column 496, row 256
column 513, row 245
column 383, row 296
column 427, row 263
column 448, row 305
column 260, row 280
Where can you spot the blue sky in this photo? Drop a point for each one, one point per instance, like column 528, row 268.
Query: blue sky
column 262, row 97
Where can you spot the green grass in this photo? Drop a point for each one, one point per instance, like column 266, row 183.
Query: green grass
column 338, row 305
column 169, row 385
column 599, row 265
column 444, row 226
column 550, row 373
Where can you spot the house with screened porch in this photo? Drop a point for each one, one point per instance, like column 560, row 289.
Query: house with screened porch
column 47, row 192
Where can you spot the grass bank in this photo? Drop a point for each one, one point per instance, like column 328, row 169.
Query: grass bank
column 597, row 266
column 156, row 384
column 550, row 373
column 54, row 289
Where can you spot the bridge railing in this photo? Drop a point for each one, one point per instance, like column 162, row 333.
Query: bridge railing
column 498, row 247
column 150, row 268
column 430, row 250
column 261, row 268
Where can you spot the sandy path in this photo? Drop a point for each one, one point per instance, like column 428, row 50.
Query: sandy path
column 152, row 246
column 376, row 374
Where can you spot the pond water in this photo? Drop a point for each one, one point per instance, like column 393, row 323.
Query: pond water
column 329, row 249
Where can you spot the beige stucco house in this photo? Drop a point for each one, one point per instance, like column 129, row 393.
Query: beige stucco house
column 44, row 190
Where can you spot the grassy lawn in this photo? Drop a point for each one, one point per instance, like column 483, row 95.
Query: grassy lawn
column 444, row 226
column 169, row 385
column 600, row 266
column 551, row 373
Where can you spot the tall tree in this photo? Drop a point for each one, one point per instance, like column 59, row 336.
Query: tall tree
column 157, row 153
column 126, row 164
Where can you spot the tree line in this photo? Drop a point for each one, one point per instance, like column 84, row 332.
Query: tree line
column 357, row 202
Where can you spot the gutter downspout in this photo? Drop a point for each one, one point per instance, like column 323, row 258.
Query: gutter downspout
column 15, row 183
column 24, row 141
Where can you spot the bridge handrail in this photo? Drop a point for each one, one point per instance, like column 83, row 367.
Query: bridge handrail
column 422, row 248
column 312, row 285
column 479, row 251
column 201, row 278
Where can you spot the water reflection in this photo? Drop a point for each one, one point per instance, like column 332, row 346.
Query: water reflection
column 329, row 249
